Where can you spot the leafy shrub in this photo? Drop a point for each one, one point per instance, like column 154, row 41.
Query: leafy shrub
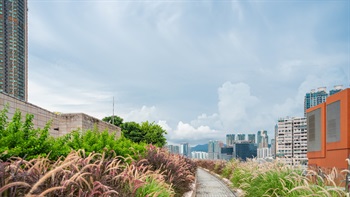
column 19, row 139
column 93, row 141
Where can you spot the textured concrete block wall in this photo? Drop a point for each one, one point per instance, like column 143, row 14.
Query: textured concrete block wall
column 61, row 123
column 74, row 121
column 41, row 116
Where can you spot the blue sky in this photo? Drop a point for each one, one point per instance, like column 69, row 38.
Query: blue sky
column 200, row 69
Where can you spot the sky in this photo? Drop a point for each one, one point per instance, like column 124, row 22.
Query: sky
column 200, row 69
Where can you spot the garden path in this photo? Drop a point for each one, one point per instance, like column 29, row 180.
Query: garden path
column 210, row 186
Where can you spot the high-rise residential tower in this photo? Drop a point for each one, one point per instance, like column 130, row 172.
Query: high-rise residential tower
column 251, row 138
column 263, row 139
column 185, row 149
column 291, row 140
column 214, row 149
column 240, row 137
column 14, row 48
column 314, row 97
column 336, row 89
column 230, row 139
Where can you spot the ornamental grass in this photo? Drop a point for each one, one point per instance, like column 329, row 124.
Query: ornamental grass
column 178, row 171
column 277, row 179
column 80, row 175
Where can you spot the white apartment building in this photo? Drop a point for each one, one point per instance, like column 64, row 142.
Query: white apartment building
column 185, row 149
column 291, row 140
column 199, row 155
column 263, row 153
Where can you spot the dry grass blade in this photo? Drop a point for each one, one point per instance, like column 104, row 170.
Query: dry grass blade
column 50, row 190
column 324, row 191
column 89, row 166
column 49, row 174
column 339, row 191
column 108, row 193
column 12, row 185
column 314, row 195
column 305, row 188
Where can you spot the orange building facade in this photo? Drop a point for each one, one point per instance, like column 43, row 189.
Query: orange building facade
column 328, row 126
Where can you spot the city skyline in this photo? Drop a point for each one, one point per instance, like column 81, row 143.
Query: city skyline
column 198, row 69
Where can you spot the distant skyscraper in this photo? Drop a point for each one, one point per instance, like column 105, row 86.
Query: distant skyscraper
column 185, row 149
column 211, row 149
column 251, row 138
column 273, row 148
column 263, row 139
column 245, row 150
column 173, row 149
column 336, row 89
column 14, row 48
column 226, row 153
column 314, row 97
column 214, row 149
column 241, row 137
column 258, row 138
column 230, row 139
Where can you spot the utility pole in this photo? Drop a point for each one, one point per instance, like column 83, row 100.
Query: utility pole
column 113, row 112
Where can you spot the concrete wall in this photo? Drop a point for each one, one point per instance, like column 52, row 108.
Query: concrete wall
column 74, row 121
column 61, row 123
column 41, row 116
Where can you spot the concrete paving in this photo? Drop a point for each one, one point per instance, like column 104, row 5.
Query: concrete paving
column 210, row 186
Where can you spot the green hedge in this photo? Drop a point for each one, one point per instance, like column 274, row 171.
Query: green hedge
column 19, row 138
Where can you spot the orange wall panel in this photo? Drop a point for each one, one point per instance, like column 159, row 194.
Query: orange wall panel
column 343, row 98
column 333, row 154
column 322, row 152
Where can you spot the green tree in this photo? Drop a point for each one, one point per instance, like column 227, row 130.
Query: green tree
column 132, row 131
column 149, row 133
column 154, row 134
column 116, row 120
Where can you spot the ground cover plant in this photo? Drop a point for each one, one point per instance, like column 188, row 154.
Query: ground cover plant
column 276, row 179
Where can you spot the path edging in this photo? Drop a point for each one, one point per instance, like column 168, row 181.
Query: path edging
column 192, row 193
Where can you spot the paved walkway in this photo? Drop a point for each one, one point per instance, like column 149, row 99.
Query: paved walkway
column 210, row 186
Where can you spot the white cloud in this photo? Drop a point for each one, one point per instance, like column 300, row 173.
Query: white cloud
column 185, row 132
column 235, row 101
column 212, row 120
column 142, row 115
